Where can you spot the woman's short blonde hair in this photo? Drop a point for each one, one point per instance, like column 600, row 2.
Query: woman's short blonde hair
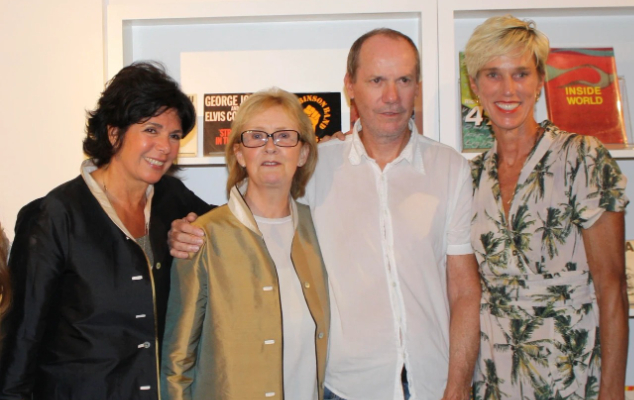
column 258, row 103
column 505, row 36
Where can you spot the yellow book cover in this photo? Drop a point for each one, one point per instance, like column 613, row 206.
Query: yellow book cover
column 477, row 134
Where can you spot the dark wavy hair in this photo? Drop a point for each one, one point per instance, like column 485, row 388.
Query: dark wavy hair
column 137, row 93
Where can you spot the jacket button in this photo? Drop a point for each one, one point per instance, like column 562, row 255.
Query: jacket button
column 158, row 265
column 144, row 345
column 321, row 335
column 514, row 252
column 306, row 285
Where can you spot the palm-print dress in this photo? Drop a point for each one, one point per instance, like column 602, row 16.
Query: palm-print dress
column 539, row 315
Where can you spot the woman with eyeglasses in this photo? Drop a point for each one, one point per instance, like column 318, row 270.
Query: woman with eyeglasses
column 248, row 314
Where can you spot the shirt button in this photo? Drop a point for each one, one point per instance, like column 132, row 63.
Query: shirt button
column 158, row 265
column 321, row 335
column 270, row 341
column 306, row 285
column 269, row 394
column 514, row 252
column 267, row 288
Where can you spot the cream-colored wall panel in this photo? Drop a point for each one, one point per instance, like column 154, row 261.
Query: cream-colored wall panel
column 52, row 71
column 273, row 25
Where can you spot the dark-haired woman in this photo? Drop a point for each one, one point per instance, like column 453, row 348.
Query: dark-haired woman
column 90, row 267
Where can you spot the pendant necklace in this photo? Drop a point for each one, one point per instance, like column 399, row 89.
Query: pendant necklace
column 108, row 195
column 538, row 135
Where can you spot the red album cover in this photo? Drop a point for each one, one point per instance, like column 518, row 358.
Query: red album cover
column 582, row 93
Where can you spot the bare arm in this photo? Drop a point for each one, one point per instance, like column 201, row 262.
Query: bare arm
column 184, row 238
column 604, row 243
column 463, row 284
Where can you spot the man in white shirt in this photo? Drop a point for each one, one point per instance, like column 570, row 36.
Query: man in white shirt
column 392, row 211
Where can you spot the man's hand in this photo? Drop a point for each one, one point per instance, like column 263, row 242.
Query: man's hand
column 184, row 238
column 337, row 135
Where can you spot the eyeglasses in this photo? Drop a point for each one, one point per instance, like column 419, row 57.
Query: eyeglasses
column 283, row 138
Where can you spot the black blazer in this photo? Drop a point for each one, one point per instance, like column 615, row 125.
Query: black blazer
column 88, row 313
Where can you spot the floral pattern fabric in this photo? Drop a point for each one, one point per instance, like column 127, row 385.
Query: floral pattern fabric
column 539, row 315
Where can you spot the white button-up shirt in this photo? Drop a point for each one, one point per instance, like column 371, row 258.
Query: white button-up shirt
column 384, row 236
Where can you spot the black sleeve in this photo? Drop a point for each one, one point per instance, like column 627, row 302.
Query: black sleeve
column 36, row 264
column 171, row 190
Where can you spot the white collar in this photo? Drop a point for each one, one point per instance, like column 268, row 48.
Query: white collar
column 239, row 208
column 409, row 153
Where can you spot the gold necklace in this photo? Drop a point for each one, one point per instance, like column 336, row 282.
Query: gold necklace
column 108, row 197
column 103, row 183
column 538, row 135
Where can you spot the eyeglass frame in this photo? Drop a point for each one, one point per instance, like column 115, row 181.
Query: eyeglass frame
column 269, row 136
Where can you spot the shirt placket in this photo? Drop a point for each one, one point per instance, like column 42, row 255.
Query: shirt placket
column 389, row 261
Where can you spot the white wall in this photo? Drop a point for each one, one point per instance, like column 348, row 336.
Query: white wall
column 52, row 70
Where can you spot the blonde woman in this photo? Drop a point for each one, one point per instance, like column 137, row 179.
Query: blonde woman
column 248, row 314
column 548, row 232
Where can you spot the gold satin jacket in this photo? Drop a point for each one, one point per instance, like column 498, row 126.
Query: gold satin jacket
column 225, row 309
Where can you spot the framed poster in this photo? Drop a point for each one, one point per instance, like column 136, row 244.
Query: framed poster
column 243, row 72
column 583, row 94
column 189, row 144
